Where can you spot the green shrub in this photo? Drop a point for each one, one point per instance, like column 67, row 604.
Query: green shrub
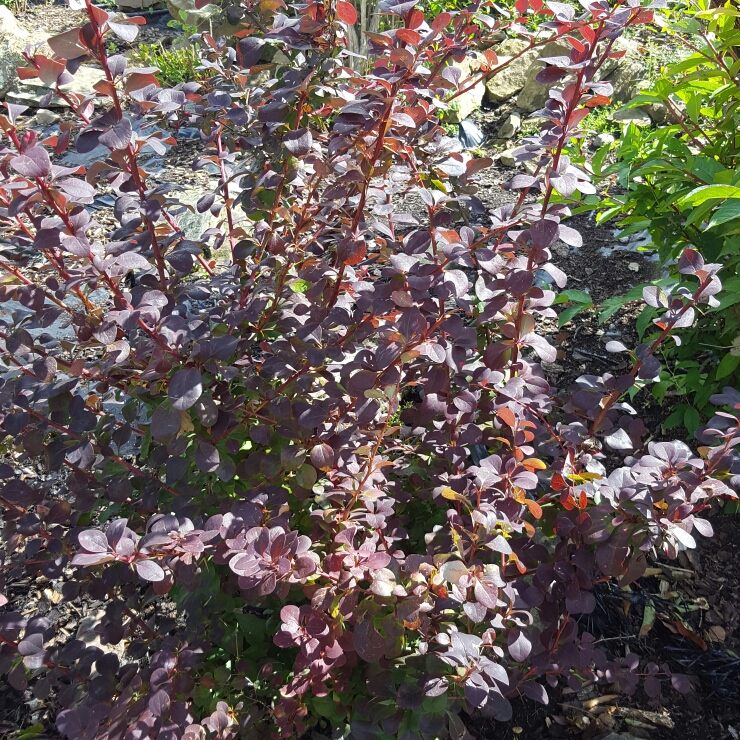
column 683, row 185
column 175, row 64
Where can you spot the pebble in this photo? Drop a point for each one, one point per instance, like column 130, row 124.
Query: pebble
column 507, row 158
column 636, row 116
column 601, row 139
column 510, row 127
column 47, row 117
column 633, row 266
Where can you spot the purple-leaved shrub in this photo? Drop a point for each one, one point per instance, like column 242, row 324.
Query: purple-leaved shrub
column 338, row 459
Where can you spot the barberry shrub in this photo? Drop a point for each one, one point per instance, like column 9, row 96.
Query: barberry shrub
column 338, row 484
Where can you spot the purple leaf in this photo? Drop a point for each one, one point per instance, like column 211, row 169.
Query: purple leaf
column 185, row 388
column 652, row 687
column 93, row 540
column 149, row 570
column 249, row 51
column 536, row 691
column 368, row 642
column 298, row 143
column 34, row 163
column 207, row 458
column 691, row 262
column 681, row 683
column 118, row 136
column 544, row 232
column 570, row 236
column 519, row 645
column 125, row 31
column 159, row 703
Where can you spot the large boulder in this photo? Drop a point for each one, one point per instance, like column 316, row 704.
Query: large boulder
column 32, row 92
column 470, row 101
column 626, row 74
column 534, row 94
column 510, row 80
column 13, row 40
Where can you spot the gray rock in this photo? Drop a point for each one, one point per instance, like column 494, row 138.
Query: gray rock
column 470, row 101
column 534, row 95
column 601, row 139
column 510, row 126
column 628, row 77
column 192, row 223
column 510, row 80
column 630, row 47
column 656, row 111
column 13, row 40
column 32, row 92
column 507, row 158
column 46, row 117
column 638, row 116
column 625, row 74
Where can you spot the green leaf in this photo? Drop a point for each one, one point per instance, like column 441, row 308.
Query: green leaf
column 727, row 366
column 306, row 476
column 675, row 418
column 574, row 296
column 569, row 313
column 146, row 443
column 705, row 192
column 300, row 286
column 718, row 11
column 691, row 419
column 693, row 107
column 610, row 307
column 707, row 169
column 597, row 163
column 648, row 619
column 726, row 212
column 644, row 319
column 252, row 627
column 325, row 706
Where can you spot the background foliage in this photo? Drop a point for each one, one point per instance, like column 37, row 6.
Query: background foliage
column 682, row 180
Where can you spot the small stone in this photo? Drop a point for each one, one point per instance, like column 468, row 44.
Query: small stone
column 47, row 117
column 510, row 126
column 656, row 111
column 637, row 116
column 561, row 250
column 507, row 158
column 601, row 139
column 634, row 267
